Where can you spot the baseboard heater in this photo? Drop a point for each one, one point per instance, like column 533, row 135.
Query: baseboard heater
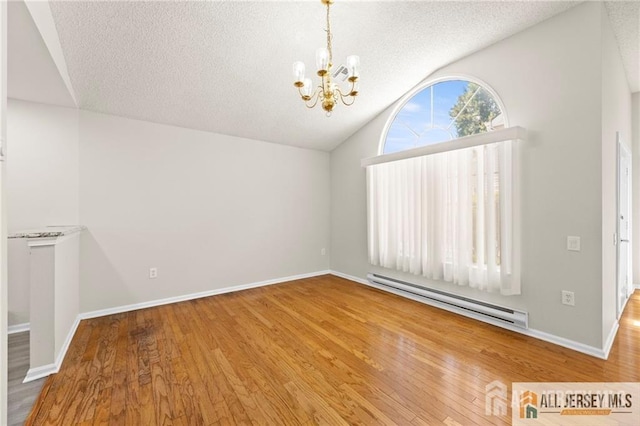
column 469, row 307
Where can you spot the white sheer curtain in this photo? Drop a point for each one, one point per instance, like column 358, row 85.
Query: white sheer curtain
column 450, row 216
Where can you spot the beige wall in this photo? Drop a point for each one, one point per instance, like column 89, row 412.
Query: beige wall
column 209, row 211
column 18, row 281
column 616, row 117
column 42, row 165
column 67, row 289
column 42, row 184
column 635, row 122
column 549, row 78
column 54, row 277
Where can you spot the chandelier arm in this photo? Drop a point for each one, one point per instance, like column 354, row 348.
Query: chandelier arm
column 343, row 96
column 315, row 95
column 318, row 88
column 353, row 86
column 353, row 99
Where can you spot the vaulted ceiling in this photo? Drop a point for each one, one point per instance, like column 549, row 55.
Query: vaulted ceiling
column 226, row 66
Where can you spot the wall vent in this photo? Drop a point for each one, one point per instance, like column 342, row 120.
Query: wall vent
column 452, row 302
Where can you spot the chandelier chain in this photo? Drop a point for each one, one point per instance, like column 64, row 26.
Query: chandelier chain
column 329, row 35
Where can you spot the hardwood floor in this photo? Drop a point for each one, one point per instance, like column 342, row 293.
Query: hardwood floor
column 21, row 395
column 316, row 351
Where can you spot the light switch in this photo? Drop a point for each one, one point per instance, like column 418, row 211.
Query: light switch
column 573, row 243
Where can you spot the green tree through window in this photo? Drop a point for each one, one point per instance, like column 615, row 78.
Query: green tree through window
column 474, row 111
column 440, row 112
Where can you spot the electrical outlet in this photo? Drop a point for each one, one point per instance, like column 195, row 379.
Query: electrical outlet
column 323, row 252
column 153, row 273
column 568, row 298
column 573, row 243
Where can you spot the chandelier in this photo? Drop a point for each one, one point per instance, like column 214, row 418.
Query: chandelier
column 327, row 92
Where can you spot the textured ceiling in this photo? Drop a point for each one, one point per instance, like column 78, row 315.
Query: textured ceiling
column 225, row 67
column 625, row 20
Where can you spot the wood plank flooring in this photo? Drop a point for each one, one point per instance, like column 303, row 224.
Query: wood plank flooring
column 21, row 395
column 317, row 351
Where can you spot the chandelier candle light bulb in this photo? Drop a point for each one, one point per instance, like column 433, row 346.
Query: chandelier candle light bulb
column 307, row 88
column 327, row 93
column 322, row 60
column 353, row 66
column 298, row 72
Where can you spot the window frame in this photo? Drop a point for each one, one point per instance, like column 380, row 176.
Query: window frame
column 510, row 283
column 431, row 82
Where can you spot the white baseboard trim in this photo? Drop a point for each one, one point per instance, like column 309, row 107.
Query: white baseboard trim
column 176, row 299
column 566, row 343
column 350, row 277
column 46, row 370
column 608, row 344
column 40, row 372
column 67, row 343
column 636, row 286
column 18, row 328
column 541, row 335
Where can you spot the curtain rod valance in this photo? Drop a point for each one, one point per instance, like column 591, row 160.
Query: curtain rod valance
column 508, row 134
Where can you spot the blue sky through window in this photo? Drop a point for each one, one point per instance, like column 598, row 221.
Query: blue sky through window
column 419, row 124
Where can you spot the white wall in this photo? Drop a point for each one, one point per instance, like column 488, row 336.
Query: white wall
column 635, row 219
column 18, row 281
column 549, row 78
column 40, row 11
column 54, row 277
column 42, row 165
column 66, row 301
column 42, row 338
column 54, row 281
column 4, row 308
column 42, row 184
column 616, row 117
column 209, row 211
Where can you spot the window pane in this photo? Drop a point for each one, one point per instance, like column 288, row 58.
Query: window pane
column 399, row 138
column 442, row 112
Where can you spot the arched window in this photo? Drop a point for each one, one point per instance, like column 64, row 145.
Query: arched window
column 443, row 111
column 449, row 211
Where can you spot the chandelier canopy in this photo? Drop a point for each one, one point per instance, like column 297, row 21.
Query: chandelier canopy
column 327, row 92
